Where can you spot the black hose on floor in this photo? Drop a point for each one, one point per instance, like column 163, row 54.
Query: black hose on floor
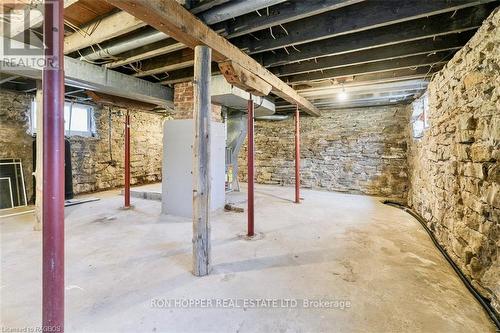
column 483, row 301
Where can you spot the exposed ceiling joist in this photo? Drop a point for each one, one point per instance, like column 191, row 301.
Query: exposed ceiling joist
column 214, row 15
column 463, row 20
column 172, row 61
column 109, row 27
column 356, row 18
column 245, row 24
column 19, row 25
column 172, row 19
column 321, row 92
column 279, row 14
column 427, row 46
column 373, row 67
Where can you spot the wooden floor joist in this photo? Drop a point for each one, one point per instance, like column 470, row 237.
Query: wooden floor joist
column 170, row 17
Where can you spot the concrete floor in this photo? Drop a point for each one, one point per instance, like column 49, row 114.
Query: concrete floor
column 332, row 247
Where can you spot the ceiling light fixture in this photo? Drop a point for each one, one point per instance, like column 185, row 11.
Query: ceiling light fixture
column 342, row 96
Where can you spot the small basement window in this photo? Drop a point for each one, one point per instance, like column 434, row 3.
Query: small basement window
column 419, row 117
column 78, row 119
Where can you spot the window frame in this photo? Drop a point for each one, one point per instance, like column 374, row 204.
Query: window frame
column 90, row 109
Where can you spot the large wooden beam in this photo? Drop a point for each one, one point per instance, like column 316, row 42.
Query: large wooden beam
column 243, row 79
column 359, row 17
column 109, row 27
column 172, row 19
column 201, row 162
column 439, row 25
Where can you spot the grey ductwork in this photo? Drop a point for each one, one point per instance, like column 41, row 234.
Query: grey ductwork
column 233, row 97
column 236, row 134
column 212, row 16
column 235, row 8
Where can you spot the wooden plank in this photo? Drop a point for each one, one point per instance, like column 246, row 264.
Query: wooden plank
column 241, row 78
column 172, row 19
column 201, row 162
column 111, row 26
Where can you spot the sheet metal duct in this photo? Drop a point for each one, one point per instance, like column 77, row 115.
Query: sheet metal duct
column 212, row 16
column 235, row 98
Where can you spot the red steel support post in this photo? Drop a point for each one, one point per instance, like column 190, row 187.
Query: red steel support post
column 53, row 169
column 126, row 193
column 297, row 155
column 250, row 168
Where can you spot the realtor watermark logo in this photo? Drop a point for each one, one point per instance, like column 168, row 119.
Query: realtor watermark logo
column 250, row 303
column 22, row 44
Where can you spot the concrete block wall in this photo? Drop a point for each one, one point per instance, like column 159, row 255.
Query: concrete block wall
column 454, row 169
column 95, row 166
column 359, row 150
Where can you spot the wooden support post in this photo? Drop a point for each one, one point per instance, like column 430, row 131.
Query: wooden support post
column 250, row 169
column 201, row 161
column 297, row 155
column 39, row 157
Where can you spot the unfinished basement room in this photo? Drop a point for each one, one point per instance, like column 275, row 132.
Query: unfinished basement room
column 250, row 166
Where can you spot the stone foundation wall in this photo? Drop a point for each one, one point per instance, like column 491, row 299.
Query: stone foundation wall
column 454, row 169
column 95, row 166
column 15, row 140
column 359, row 150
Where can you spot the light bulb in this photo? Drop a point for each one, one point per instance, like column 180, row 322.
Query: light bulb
column 342, row 96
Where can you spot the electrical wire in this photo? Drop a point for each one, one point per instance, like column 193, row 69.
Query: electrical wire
column 482, row 301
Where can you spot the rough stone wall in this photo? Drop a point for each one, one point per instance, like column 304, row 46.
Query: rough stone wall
column 454, row 169
column 15, row 140
column 359, row 150
column 94, row 167
column 184, row 103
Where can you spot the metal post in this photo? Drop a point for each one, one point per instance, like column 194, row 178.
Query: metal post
column 250, row 159
column 53, row 169
column 297, row 155
column 126, row 193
